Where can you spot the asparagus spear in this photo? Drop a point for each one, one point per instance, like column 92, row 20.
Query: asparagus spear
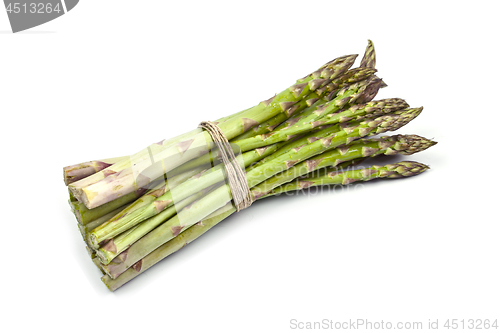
column 361, row 149
column 396, row 170
column 94, row 194
column 73, row 173
column 221, row 195
column 403, row 169
column 85, row 216
column 85, row 229
column 407, row 145
column 369, row 59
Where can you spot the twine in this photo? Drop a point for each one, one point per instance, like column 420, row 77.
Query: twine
column 235, row 173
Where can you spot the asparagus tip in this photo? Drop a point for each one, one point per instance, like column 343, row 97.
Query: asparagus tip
column 403, row 169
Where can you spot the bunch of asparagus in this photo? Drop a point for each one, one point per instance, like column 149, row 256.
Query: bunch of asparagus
column 133, row 211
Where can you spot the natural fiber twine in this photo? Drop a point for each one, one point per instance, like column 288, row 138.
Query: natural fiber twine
column 235, row 174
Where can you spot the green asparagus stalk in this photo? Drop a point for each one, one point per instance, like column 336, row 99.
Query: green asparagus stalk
column 405, row 145
column 396, row 170
column 85, row 229
column 402, row 169
column 219, row 197
column 94, row 194
column 79, row 171
column 344, row 166
column 369, row 59
column 85, row 216
column 360, row 149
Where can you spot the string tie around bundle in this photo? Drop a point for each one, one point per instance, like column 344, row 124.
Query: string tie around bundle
column 235, row 173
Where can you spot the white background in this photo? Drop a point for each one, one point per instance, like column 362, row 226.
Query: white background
column 111, row 77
